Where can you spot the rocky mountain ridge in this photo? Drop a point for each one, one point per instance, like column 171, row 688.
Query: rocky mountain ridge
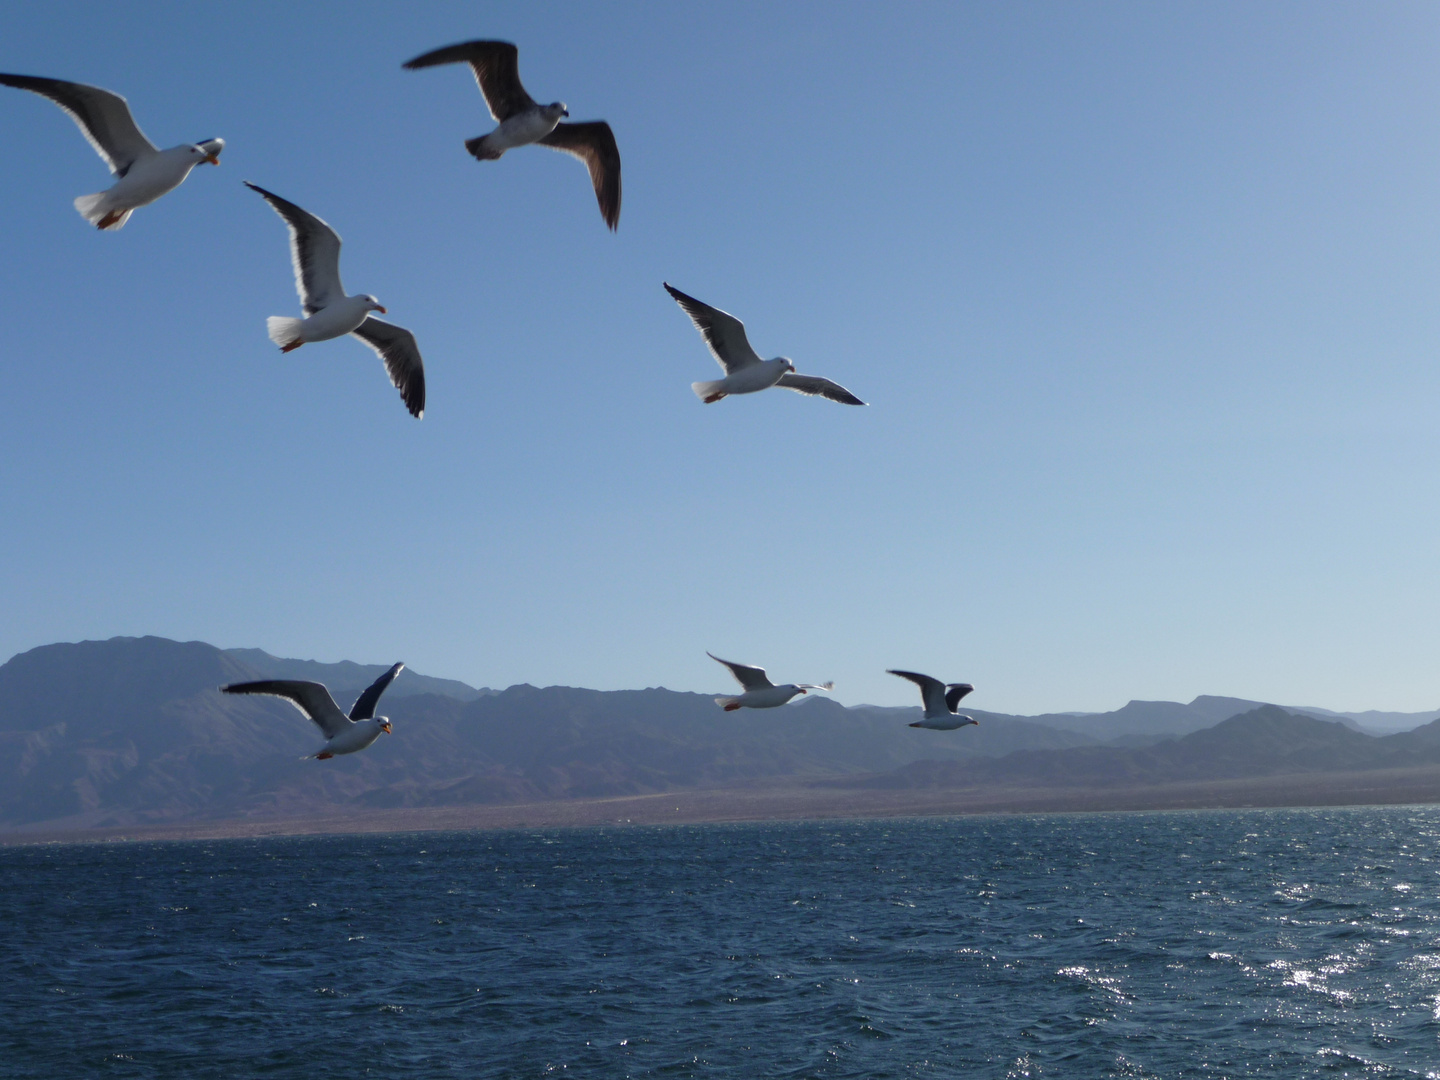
column 134, row 730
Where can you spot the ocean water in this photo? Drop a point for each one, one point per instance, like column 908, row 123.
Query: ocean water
column 1226, row 944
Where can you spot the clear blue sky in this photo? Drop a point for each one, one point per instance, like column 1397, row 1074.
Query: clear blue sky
column 1143, row 297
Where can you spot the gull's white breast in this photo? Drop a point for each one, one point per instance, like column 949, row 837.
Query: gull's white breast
column 756, row 377
column 357, row 737
column 152, row 176
column 521, row 130
column 336, row 320
column 768, row 698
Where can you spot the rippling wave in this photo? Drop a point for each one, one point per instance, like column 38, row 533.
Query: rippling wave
column 1227, row 944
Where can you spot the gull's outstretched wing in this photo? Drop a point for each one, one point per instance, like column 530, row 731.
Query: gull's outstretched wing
column 751, row 678
column 311, row 698
column 954, row 692
column 364, row 707
column 104, row 118
column 314, row 252
column 397, row 348
column 724, row 333
column 497, row 69
column 932, row 691
column 813, row 384
column 594, row 144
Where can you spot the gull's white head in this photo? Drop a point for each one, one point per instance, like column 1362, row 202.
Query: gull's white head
column 371, row 304
column 209, row 150
column 785, row 363
column 555, row 110
column 384, row 722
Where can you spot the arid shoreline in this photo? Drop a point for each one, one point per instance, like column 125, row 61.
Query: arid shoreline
column 1380, row 787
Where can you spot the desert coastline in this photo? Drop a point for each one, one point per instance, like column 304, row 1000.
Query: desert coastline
column 115, row 757
column 1380, row 787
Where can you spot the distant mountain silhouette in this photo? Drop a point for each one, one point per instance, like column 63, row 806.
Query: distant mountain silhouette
column 1267, row 741
column 1375, row 721
column 1147, row 722
column 134, row 731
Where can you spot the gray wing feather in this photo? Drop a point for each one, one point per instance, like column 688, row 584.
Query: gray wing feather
column 954, row 692
column 314, row 253
column 103, row 117
column 751, row 678
column 497, row 70
column 311, row 698
column 594, row 144
column 401, row 355
column 364, row 707
column 723, row 333
column 932, row 691
column 813, row 384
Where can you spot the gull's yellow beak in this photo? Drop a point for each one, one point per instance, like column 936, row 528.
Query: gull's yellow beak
column 381, row 309
column 213, row 159
column 386, row 727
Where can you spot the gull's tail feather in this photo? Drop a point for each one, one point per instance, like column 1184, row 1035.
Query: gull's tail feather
column 729, row 704
column 96, row 210
column 708, row 391
column 481, row 149
column 285, row 331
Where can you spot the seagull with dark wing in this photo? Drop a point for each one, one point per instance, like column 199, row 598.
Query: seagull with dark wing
column 343, row 734
column 942, row 701
column 522, row 121
column 745, row 372
column 329, row 313
column 145, row 172
column 760, row 692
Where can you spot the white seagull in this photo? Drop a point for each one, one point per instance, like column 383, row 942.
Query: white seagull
column 343, row 734
column 760, row 692
column 145, row 171
column 745, row 372
column 942, row 701
column 315, row 252
column 522, row 121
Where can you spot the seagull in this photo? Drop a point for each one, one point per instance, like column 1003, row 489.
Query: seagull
column 942, row 701
column 343, row 734
column 745, row 372
column 760, row 692
column 522, row 121
column 315, row 253
column 145, row 171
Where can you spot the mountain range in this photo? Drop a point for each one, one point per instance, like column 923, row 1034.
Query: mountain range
column 132, row 731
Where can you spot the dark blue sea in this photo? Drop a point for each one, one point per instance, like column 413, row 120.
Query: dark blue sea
column 1226, row 944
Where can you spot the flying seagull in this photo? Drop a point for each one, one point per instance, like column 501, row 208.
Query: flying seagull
column 522, row 121
column 942, row 701
column 745, row 372
column 760, row 692
column 315, row 253
column 145, row 171
column 343, row 734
